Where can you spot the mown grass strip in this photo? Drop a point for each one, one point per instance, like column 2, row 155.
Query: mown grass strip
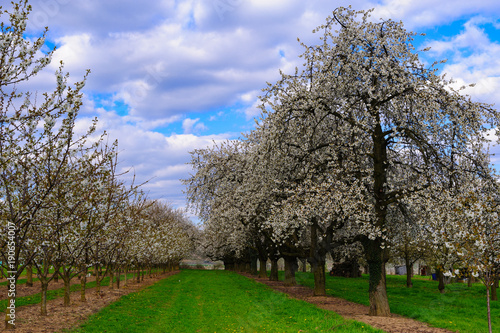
column 215, row 301
column 459, row 308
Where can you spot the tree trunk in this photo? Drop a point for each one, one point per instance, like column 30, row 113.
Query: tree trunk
column 253, row 266
column 488, row 307
column 494, row 288
column 97, row 278
column 248, row 267
column 290, row 269
column 274, row 270
column 67, row 289
column 228, row 266
column 29, row 276
column 83, row 284
column 138, row 274
column 409, row 272
column 317, row 261
column 440, row 280
column 379, row 303
column 318, row 268
column 118, row 278
column 125, row 279
column 262, row 268
column 43, row 302
column 375, row 255
column 111, row 274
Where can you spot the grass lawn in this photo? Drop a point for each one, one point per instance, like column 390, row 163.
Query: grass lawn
column 460, row 308
column 214, row 301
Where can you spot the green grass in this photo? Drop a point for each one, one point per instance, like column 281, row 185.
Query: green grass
column 214, row 301
column 460, row 308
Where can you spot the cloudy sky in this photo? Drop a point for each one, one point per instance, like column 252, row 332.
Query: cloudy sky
column 169, row 76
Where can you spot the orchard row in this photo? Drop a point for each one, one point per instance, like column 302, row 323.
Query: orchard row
column 63, row 206
column 364, row 152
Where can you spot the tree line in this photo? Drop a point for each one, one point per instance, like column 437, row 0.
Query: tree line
column 364, row 150
column 63, row 206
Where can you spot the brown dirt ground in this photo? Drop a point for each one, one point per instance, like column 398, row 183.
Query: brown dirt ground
column 28, row 319
column 350, row 310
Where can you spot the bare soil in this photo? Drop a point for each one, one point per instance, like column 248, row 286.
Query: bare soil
column 349, row 310
column 29, row 320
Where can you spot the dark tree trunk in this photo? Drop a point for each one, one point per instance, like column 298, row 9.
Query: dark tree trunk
column 317, row 261
column 229, row 266
column 375, row 255
column 118, row 278
column 83, row 284
column 253, row 266
column 318, row 269
column 494, row 287
column 111, row 276
column 29, row 276
column 409, row 272
column 125, row 279
column 248, row 267
column 262, row 268
column 379, row 304
column 488, row 308
column 43, row 301
column 67, row 290
column 290, row 269
column 273, row 276
column 440, row 277
column 97, row 273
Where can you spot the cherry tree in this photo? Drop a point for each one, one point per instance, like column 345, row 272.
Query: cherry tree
column 476, row 238
column 29, row 126
column 213, row 192
column 367, row 76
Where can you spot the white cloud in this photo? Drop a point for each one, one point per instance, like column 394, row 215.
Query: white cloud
column 155, row 158
column 193, row 126
column 473, row 60
column 428, row 13
column 167, row 60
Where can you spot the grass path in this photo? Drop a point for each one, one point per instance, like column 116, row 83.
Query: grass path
column 214, row 301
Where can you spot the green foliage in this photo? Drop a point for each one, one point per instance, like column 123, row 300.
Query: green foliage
column 214, row 301
column 459, row 308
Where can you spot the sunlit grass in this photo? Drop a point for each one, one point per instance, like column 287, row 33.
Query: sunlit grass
column 459, row 308
column 214, row 301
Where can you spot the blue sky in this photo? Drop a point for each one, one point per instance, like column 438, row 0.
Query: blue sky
column 170, row 76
